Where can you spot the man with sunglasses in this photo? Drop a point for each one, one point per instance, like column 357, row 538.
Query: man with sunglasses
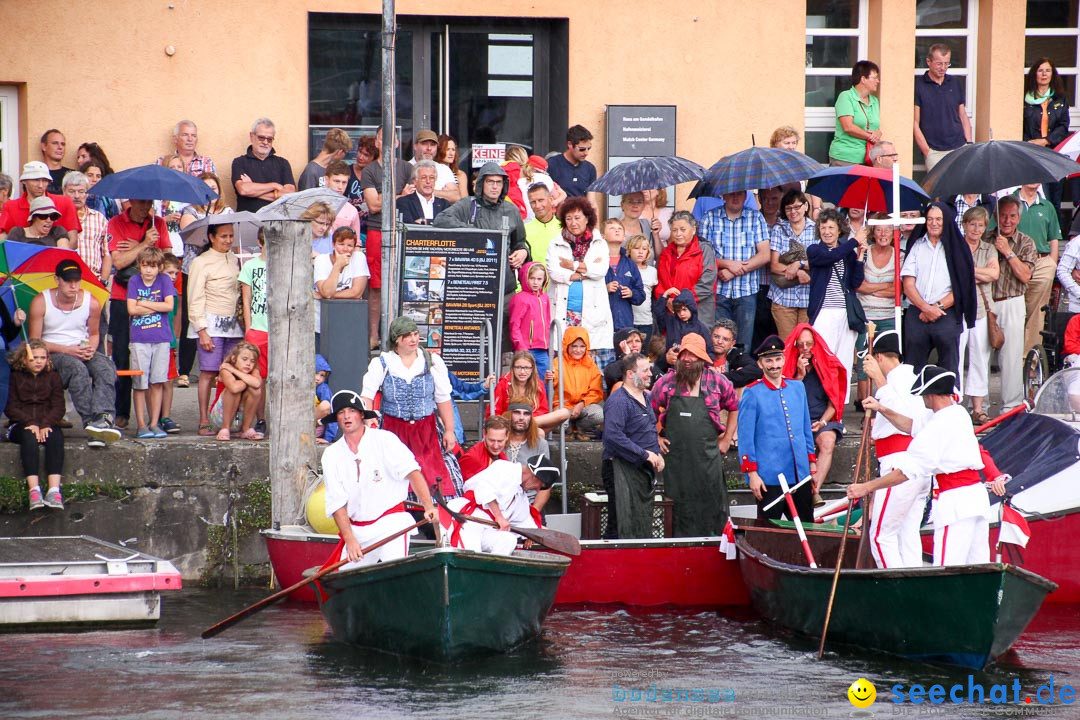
column 260, row 175
column 571, row 170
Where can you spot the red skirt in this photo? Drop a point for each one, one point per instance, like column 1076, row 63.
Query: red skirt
column 422, row 438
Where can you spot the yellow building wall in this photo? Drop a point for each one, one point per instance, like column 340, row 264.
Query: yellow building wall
column 105, row 76
column 734, row 69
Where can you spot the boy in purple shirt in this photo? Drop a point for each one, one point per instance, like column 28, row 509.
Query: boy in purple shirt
column 150, row 299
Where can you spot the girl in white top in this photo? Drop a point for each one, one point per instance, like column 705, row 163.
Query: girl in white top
column 640, row 251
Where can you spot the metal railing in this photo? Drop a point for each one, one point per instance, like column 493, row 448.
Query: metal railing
column 555, row 342
column 487, row 352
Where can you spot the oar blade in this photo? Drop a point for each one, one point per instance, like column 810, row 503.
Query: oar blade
column 552, row 539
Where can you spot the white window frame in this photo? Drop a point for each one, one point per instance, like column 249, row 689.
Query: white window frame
column 9, row 139
column 823, row 119
column 1029, row 32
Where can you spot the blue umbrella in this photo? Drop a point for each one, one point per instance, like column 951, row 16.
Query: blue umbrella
column 755, row 168
column 155, row 182
column 651, row 173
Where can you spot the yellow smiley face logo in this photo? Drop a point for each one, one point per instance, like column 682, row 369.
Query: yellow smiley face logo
column 862, row 693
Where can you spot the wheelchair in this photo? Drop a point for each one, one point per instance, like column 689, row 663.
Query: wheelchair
column 1044, row 360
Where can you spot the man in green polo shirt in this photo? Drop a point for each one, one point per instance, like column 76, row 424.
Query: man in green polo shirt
column 1038, row 220
column 544, row 227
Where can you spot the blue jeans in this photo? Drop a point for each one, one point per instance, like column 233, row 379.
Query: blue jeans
column 543, row 362
column 742, row 311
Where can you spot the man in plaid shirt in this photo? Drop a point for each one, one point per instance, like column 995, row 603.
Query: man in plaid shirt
column 91, row 246
column 741, row 239
column 185, row 137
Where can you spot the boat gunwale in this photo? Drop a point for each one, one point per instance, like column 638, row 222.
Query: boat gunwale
column 534, row 559
column 744, row 546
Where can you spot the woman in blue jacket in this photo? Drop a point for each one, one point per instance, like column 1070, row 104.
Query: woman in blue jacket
column 836, row 271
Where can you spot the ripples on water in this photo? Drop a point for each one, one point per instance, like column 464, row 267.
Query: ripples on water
column 282, row 664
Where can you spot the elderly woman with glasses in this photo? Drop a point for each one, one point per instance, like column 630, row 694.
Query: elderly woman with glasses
column 41, row 227
column 789, row 284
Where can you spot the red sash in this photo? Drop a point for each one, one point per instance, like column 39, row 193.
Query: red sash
column 470, row 505
column 891, row 444
column 958, row 479
column 335, row 555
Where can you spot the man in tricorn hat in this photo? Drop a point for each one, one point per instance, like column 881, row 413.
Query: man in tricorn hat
column 775, row 436
column 368, row 473
column 945, row 446
column 897, row 511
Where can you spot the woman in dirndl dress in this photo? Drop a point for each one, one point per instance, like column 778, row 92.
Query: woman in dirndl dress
column 415, row 384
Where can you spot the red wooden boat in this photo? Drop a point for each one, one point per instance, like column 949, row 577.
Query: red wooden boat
column 653, row 574
column 643, row 574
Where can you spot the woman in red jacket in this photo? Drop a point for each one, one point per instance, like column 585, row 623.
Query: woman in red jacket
column 688, row 263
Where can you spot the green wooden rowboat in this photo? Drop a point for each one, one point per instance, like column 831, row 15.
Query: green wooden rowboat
column 966, row 615
column 443, row 604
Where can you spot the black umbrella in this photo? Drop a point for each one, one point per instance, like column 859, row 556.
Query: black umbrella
column 987, row 167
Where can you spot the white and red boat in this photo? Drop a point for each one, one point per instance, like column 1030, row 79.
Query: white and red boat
column 79, row 582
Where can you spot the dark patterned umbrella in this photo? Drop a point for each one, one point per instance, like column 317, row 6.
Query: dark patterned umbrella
column 987, row 167
column 650, row 173
column 754, row 168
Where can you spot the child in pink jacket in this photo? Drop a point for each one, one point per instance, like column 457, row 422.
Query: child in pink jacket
column 530, row 314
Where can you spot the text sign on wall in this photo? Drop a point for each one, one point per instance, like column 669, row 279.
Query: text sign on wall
column 640, row 130
column 452, row 281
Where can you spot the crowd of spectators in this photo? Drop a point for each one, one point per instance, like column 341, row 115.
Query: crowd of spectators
column 655, row 295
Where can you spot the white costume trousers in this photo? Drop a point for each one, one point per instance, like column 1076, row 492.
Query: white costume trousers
column 897, row 518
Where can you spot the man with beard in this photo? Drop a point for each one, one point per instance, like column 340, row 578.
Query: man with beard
column 775, row 436
column 526, row 442
column 630, row 442
column 690, row 401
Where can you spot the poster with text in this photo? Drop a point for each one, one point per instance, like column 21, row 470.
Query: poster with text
column 452, row 282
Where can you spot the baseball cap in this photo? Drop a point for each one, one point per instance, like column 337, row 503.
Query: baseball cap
column 68, row 269
column 427, row 136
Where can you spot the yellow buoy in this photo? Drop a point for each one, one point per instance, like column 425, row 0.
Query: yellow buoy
column 316, row 512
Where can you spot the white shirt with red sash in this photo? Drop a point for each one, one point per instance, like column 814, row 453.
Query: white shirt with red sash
column 501, row 482
column 371, row 484
column 946, row 447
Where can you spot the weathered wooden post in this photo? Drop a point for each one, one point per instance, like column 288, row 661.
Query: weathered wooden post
column 290, row 386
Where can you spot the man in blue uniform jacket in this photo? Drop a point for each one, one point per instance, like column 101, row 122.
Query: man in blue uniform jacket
column 775, row 436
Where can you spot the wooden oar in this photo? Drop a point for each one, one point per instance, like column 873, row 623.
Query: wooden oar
column 281, row 594
column 551, row 539
column 860, row 459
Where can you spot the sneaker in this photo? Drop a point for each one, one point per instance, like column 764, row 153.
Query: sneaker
column 94, row 442
column 157, row 432
column 169, row 426
column 53, row 499
column 144, row 433
column 260, row 427
column 35, row 498
column 102, row 429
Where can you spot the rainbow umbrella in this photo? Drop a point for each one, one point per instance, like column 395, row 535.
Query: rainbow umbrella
column 28, row 270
